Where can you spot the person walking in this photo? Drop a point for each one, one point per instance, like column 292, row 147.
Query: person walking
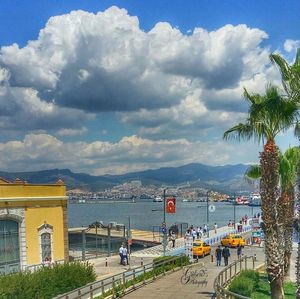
column 215, row 227
column 205, row 229
column 121, row 254
column 198, row 232
column 194, row 234
column 201, row 232
column 173, row 238
column 226, row 255
column 125, row 257
column 218, row 254
column 239, row 251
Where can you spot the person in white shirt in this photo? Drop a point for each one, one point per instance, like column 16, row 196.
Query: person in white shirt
column 198, row 232
column 205, row 229
column 121, row 253
column 215, row 227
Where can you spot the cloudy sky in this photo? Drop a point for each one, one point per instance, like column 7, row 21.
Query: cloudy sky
column 118, row 86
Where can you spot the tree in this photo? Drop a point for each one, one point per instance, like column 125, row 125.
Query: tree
column 268, row 115
column 290, row 76
column 285, row 206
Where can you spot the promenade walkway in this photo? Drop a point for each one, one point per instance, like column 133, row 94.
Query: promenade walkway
column 171, row 286
column 107, row 266
column 213, row 238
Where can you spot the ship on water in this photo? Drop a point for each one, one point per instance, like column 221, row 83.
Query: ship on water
column 157, row 199
column 255, row 200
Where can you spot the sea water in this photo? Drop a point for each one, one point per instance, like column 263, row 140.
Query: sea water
column 146, row 214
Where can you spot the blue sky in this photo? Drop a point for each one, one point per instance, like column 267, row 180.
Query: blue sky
column 130, row 85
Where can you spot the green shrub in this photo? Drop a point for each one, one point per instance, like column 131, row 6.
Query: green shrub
column 245, row 283
column 46, row 282
column 251, row 274
column 242, row 285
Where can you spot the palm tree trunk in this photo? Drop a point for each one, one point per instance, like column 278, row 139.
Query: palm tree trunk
column 282, row 205
column 298, row 251
column 285, row 216
column 269, row 160
column 288, row 231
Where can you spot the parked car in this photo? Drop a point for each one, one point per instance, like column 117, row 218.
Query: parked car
column 201, row 248
column 233, row 240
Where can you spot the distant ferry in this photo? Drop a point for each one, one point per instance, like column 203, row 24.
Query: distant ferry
column 255, row 200
column 157, row 199
column 241, row 200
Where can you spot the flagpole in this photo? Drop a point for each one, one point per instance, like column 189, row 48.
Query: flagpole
column 165, row 230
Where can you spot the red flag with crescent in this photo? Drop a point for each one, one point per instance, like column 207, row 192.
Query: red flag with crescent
column 171, row 205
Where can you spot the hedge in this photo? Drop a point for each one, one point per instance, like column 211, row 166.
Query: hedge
column 245, row 283
column 46, row 282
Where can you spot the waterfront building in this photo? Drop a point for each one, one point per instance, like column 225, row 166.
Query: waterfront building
column 33, row 224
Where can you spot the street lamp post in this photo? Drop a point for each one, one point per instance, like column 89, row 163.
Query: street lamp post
column 165, row 225
column 207, row 213
column 129, row 238
column 234, row 204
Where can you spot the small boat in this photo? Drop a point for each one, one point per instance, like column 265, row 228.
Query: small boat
column 255, row 200
column 157, row 199
column 241, row 200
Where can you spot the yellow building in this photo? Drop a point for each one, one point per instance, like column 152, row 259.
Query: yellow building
column 33, row 224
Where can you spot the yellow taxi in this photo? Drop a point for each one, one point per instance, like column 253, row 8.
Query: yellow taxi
column 233, row 240
column 201, row 248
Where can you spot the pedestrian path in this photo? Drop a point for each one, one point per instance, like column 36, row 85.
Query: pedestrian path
column 172, row 286
column 213, row 238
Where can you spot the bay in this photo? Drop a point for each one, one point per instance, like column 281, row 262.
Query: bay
column 146, row 214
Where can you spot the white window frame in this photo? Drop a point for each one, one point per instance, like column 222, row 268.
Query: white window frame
column 46, row 228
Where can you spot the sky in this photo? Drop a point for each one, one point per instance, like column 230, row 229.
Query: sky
column 109, row 87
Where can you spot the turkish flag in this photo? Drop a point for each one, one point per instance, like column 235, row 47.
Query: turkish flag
column 171, row 205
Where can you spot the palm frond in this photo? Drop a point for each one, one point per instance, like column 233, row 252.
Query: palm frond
column 253, row 172
column 238, row 132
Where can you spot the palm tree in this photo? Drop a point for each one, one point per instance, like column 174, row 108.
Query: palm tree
column 268, row 115
column 290, row 75
column 286, row 202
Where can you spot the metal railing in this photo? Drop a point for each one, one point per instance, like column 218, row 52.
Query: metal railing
column 231, row 271
column 124, row 282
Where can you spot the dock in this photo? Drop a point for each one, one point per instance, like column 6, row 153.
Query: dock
column 139, row 237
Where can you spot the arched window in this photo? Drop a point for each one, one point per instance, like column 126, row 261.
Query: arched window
column 9, row 246
column 46, row 243
column 46, row 246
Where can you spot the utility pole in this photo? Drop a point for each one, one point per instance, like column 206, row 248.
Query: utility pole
column 207, row 213
column 129, row 239
column 234, row 204
column 83, row 244
column 96, row 239
column 165, row 225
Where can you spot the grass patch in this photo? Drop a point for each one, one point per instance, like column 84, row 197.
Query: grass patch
column 245, row 283
column 263, row 289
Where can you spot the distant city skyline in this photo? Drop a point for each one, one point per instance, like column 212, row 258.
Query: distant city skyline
column 121, row 86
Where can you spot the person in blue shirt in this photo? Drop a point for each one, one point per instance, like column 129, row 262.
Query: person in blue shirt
column 239, row 251
column 226, row 255
column 219, row 255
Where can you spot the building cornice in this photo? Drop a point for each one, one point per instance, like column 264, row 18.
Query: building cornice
column 32, row 198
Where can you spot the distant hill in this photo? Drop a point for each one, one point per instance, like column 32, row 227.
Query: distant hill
column 228, row 177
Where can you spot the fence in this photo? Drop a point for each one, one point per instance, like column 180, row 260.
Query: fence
column 227, row 274
column 125, row 281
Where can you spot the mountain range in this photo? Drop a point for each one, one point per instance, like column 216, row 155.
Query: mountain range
column 219, row 178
